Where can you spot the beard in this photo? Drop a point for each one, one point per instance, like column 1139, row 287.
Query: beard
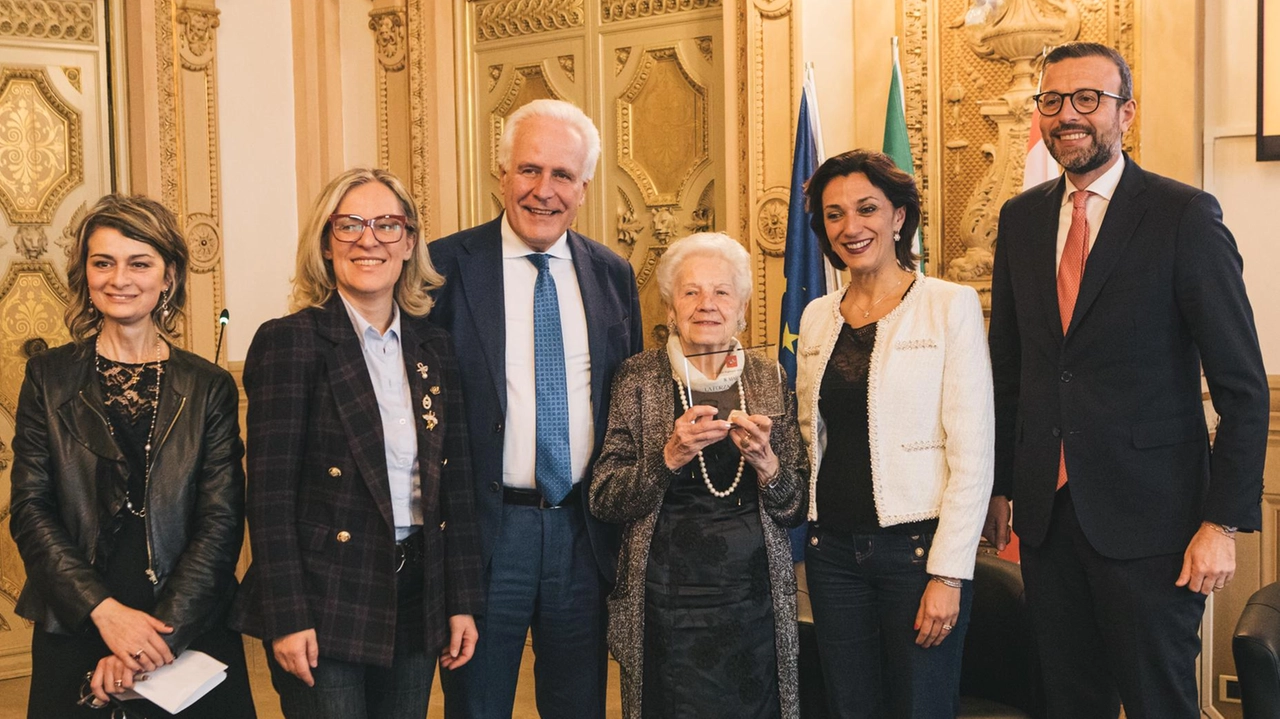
column 1081, row 160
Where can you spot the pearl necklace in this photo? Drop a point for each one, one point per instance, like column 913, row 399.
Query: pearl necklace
column 706, row 479
column 151, row 433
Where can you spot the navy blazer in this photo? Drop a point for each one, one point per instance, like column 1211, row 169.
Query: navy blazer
column 319, row 505
column 471, row 307
column 1162, row 294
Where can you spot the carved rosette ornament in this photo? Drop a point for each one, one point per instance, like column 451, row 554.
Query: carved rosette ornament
column 1017, row 32
column 196, row 39
column 388, row 28
column 204, row 242
column 771, row 222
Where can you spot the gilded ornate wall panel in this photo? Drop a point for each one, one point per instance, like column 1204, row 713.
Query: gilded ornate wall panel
column 506, row 76
column 664, row 87
column 54, row 160
column 969, row 111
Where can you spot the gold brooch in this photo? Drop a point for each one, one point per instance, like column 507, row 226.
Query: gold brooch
column 422, row 370
column 430, row 418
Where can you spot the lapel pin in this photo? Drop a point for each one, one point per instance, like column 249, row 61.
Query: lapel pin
column 422, row 370
column 430, row 418
column 435, row 389
column 426, row 401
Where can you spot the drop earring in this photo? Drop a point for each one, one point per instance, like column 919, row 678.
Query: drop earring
column 897, row 236
column 165, row 310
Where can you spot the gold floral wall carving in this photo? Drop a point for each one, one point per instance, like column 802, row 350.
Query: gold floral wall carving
column 40, row 158
column 499, row 19
column 32, row 300
column 615, row 10
column 975, row 105
column 58, row 20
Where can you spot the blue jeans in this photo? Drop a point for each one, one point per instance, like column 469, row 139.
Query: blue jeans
column 865, row 591
column 543, row 577
column 345, row 690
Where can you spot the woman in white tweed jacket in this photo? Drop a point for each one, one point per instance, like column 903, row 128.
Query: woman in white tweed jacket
column 895, row 406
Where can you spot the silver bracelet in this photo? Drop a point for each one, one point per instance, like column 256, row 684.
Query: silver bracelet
column 949, row 581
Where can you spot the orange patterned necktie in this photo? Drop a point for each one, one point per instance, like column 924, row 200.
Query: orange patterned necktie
column 1070, row 270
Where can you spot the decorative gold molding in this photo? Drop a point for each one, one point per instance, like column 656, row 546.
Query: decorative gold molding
column 627, row 228
column 195, row 42
column 388, row 28
column 616, row 10
column 41, row 159
column 30, row 241
column 495, row 74
column 58, row 20
column 620, row 58
column 420, row 129
column 166, row 101
column 566, row 64
column 704, row 47
column 663, row 173
column 498, row 19
column 73, row 77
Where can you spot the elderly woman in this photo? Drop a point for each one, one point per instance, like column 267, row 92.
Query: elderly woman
column 366, row 562
column 894, row 388
column 702, row 463
column 128, row 494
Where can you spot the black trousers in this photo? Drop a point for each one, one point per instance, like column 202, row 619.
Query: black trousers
column 59, row 663
column 1110, row 630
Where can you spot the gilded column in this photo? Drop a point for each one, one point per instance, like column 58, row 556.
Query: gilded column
column 388, row 22
column 195, row 166
column 768, row 95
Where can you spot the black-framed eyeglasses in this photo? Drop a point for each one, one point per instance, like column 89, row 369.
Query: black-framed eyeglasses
column 1085, row 101
column 387, row 229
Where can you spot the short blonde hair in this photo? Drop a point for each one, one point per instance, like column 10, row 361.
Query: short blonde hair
column 705, row 244
column 313, row 281
column 569, row 115
column 141, row 219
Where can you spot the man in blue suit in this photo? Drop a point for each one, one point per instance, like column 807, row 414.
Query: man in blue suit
column 1113, row 288
column 541, row 317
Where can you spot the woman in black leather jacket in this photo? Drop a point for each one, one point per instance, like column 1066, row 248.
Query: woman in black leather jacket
column 128, row 491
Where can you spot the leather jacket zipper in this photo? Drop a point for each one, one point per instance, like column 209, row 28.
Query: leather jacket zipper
column 151, row 572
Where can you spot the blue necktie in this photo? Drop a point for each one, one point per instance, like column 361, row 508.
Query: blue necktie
column 554, row 471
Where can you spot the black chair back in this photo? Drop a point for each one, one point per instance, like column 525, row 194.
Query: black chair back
column 1256, row 647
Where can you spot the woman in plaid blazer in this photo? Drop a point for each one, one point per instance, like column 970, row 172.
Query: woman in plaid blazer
column 366, row 562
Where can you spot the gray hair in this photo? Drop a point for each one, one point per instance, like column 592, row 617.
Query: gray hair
column 569, row 115
column 705, row 244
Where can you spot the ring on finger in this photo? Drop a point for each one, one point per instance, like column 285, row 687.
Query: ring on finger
column 137, row 654
column 946, row 627
column 119, row 683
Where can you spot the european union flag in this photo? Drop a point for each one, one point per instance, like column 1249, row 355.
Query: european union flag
column 802, row 262
column 802, row 265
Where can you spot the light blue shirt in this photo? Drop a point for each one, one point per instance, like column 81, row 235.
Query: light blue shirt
column 385, row 361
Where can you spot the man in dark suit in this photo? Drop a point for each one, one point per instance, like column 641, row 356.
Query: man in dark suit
column 1112, row 287
column 541, row 317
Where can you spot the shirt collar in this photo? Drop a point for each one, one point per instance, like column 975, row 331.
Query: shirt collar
column 1104, row 187
column 362, row 326
column 513, row 246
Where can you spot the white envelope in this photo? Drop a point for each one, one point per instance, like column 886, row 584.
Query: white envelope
column 176, row 686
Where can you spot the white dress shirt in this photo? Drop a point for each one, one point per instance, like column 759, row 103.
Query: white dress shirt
column 383, row 357
column 519, row 444
column 1096, row 209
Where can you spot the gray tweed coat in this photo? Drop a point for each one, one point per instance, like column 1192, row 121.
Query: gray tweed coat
column 628, row 487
